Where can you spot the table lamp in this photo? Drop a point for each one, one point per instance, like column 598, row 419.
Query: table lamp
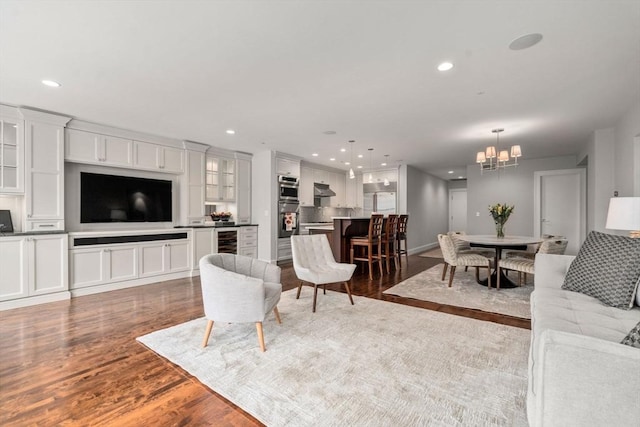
column 624, row 214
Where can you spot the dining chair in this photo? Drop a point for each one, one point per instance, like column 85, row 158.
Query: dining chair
column 402, row 238
column 526, row 265
column 390, row 242
column 464, row 247
column 531, row 250
column 369, row 246
column 453, row 259
column 313, row 262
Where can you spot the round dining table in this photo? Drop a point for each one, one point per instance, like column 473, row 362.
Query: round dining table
column 498, row 244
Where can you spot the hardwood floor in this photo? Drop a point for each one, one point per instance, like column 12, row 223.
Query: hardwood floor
column 77, row 362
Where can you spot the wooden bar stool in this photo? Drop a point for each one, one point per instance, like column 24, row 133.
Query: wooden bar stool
column 367, row 244
column 402, row 237
column 390, row 242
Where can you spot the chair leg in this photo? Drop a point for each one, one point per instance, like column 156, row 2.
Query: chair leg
column 260, row 336
column 207, row 333
column 477, row 274
column 299, row 289
column 466, row 268
column 444, row 270
column 451, row 273
column 398, row 253
column 351, row 254
column 324, row 289
column 370, row 260
column 525, row 279
column 315, row 296
column 380, row 258
column 277, row 313
column 387, row 251
column 497, row 279
column 346, row 285
column 489, row 276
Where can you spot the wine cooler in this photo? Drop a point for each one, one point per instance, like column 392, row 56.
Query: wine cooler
column 227, row 241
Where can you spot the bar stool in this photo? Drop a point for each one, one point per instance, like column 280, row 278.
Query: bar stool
column 402, row 237
column 367, row 243
column 390, row 242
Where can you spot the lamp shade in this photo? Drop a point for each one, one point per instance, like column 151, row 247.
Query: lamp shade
column 624, row 213
column 480, row 157
column 504, row 156
column 516, row 151
column 491, row 152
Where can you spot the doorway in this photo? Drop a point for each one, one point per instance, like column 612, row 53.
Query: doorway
column 560, row 205
column 458, row 209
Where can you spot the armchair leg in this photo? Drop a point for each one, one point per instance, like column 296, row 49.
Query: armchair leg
column 299, row 289
column 315, row 296
column 452, row 271
column 346, row 285
column 277, row 313
column 444, row 271
column 260, row 336
column 207, row 333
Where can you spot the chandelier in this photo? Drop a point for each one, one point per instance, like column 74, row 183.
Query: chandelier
column 493, row 158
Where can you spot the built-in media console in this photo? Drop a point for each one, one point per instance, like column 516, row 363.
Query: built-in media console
column 107, row 240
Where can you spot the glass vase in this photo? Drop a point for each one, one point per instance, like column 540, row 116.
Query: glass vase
column 499, row 229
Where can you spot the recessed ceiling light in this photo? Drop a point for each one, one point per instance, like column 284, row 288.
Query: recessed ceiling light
column 347, row 163
column 461, row 177
column 329, row 132
column 343, row 150
column 333, row 159
column 314, row 154
column 51, row 83
column 445, row 66
column 383, row 164
column 360, row 156
column 231, row 131
column 450, row 172
column 526, row 41
column 360, row 167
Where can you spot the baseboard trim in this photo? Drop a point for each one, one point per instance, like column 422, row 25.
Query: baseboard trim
column 423, row 248
column 34, row 300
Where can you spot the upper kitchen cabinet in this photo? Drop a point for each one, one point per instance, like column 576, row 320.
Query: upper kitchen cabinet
column 321, row 176
column 11, row 151
column 243, row 189
column 354, row 193
column 95, row 148
column 193, row 184
column 337, row 182
column 287, row 167
column 305, row 188
column 220, row 173
column 158, row 157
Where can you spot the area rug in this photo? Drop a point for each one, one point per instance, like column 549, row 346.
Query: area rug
column 466, row 292
column 372, row 364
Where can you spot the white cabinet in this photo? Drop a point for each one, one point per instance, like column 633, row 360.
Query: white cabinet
column 321, row 176
column 338, row 185
column 11, row 152
column 220, row 179
column 353, row 192
column 44, row 170
column 243, row 191
column 94, row 148
column 248, row 241
column 164, row 257
column 287, row 167
column 158, row 158
column 99, row 265
column 195, row 187
column 204, row 243
column 305, row 189
column 33, row 266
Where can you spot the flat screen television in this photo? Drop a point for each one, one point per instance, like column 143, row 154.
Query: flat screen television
column 114, row 198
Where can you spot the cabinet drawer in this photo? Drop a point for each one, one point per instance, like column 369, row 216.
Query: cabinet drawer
column 44, row 225
column 248, row 243
column 251, row 252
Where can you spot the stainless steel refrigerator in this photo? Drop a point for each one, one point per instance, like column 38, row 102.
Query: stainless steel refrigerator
column 379, row 198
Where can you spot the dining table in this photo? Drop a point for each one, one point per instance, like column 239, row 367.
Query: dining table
column 498, row 244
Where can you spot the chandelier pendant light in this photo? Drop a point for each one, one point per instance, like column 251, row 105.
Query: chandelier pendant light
column 352, row 175
column 386, row 180
column 494, row 159
column 370, row 164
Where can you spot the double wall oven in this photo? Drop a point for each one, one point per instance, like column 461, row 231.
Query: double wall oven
column 288, row 206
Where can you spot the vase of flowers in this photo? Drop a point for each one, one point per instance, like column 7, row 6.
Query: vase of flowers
column 500, row 214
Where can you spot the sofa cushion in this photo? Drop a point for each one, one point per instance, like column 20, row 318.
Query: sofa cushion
column 606, row 268
column 633, row 337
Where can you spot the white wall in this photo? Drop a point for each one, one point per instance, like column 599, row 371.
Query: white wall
column 627, row 152
column 511, row 186
column 427, row 201
column 263, row 203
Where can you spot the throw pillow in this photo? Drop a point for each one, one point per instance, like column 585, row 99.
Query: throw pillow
column 633, row 337
column 607, row 267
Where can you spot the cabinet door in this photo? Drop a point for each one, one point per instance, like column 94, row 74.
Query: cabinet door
column 122, row 263
column 48, row 264
column 172, row 160
column 337, row 183
column 321, row 176
column 287, row 167
column 228, row 179
column 11, row 155
column 177, row 254
column 212, row 177
column 151, row 259
column 305, row 190
column 87, row 267
column 84, row 147
column 243, row 191
column 13, row 268
column 203, row 244
column 146, row 155
column 117, row 151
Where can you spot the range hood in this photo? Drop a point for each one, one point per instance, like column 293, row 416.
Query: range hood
column 322, row 190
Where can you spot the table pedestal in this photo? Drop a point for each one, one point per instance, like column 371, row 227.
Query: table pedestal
column 505, row 282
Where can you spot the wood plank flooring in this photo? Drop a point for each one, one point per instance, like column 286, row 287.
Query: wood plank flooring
column 77, row 363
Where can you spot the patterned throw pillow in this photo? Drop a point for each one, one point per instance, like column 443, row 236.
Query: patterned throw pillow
column 607, row 268
column 633, row 337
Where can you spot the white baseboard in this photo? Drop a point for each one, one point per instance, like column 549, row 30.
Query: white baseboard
column 38, row 299
column 90, row 290
column 423, row 248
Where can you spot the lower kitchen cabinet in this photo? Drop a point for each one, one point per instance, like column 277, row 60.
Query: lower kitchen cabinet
column 164, row 258
column 96, row 266
column 33, row 266
column 248, row 241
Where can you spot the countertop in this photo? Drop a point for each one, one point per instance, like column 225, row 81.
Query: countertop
column 32, row 233
column 320, row 227
column 216, row 226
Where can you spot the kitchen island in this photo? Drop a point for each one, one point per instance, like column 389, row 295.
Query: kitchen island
column 344, row 228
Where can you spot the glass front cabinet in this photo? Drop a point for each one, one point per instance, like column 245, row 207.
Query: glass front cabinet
column 220, row 179
column 11, row 155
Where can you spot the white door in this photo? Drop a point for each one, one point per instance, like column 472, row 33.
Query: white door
column 458, row 209
column 560, row 205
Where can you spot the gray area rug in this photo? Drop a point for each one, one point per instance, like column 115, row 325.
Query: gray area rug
column 372, row 364
column 466, row 292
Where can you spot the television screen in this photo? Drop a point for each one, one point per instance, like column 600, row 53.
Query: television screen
column 114, row 198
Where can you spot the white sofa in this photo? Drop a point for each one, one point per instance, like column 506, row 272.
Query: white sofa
column 579, row 373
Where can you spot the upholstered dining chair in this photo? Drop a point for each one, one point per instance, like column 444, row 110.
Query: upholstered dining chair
column 313, row 262
column 454, row 259
column 464, row 247
column 239, row 289
column 390, row 242
column 531, row 250
column 402, row 238
column 525, row 265
column 369, row 248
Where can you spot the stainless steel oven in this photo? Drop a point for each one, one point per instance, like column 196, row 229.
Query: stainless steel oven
column 288, row 218
column 288, row 188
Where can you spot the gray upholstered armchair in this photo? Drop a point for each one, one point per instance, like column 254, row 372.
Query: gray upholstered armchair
column 239, row 289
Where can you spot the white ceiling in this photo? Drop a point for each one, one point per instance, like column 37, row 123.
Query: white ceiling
column 281, row 73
